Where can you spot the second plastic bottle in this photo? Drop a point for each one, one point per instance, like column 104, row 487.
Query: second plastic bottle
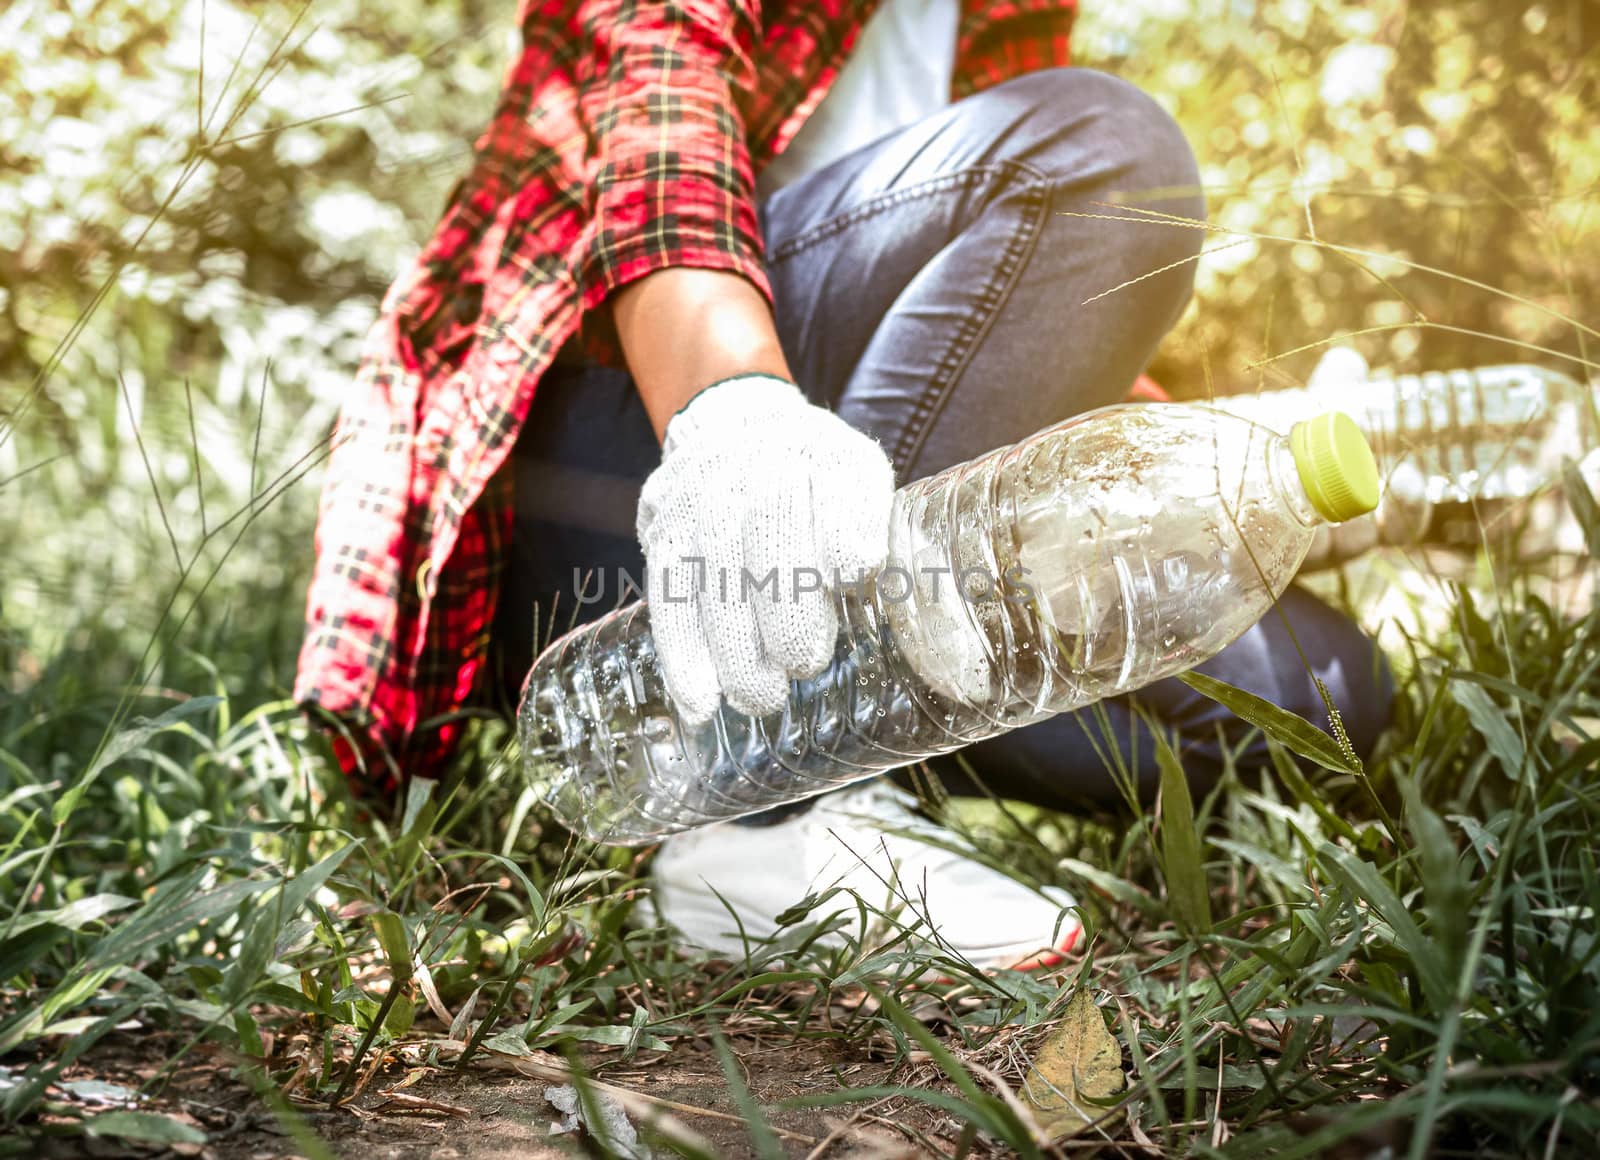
column 1107, row 552
column 1441, row 438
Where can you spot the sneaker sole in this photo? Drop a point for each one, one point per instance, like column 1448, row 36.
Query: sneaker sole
column 1032, row 961
column 1052, row 958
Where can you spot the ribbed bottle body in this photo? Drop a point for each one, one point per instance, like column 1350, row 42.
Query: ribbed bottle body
column 1102, row 554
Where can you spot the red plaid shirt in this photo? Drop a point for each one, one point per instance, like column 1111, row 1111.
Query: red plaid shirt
column 626, row 140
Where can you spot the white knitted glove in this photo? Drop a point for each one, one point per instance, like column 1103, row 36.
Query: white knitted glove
column 754, row 480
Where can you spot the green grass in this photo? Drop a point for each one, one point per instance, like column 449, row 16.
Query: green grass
column 1404, row 953
column 1400, row 955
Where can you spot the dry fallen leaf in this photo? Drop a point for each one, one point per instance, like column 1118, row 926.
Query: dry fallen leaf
column 1078, row 1067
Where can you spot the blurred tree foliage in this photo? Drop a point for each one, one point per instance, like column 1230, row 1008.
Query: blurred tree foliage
column 243, row 178
column 1457, row 135
column 293, row 158
column 243, row 183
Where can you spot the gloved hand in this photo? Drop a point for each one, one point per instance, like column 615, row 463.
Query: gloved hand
column 755, row 480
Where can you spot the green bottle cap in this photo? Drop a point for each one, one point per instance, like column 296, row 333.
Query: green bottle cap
column 1336, row 466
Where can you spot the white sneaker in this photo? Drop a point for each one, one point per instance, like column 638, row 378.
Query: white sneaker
column 710, row 883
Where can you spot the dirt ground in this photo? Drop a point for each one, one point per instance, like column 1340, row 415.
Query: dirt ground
column 494, row 1109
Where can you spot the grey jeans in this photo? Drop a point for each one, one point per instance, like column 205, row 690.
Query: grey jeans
column 952, row 288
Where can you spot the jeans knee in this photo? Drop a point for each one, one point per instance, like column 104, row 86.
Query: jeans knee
column 1099, row 136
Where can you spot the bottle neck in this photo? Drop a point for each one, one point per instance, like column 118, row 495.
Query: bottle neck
column 1286, row 481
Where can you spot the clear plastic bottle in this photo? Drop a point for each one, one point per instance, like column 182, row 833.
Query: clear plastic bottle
column 1112, row 550
column 1440, row 438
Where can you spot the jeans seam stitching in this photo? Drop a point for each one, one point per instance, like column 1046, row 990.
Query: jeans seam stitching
column 824, row 230
column 958, row 354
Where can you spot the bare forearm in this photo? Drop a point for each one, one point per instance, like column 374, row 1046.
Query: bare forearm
column 683, row 329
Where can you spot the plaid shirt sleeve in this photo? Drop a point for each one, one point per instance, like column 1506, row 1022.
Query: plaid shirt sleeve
column 672, row 181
